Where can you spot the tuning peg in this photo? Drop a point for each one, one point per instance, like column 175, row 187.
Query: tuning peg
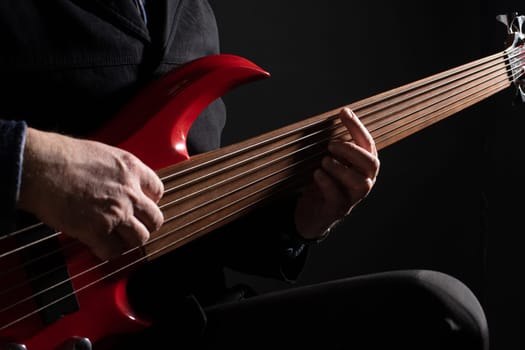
column 504, row 18
column 507, row 19
column 520, row 91
column 513, row 22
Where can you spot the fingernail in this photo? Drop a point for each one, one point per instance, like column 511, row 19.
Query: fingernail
column 350, row 113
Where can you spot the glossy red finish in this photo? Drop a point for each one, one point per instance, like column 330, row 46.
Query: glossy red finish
column 104, row 309
column 153, row 126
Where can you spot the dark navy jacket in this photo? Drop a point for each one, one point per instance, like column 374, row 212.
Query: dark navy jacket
column 69, row 65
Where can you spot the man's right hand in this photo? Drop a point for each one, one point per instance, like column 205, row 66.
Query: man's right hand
column 102, row 195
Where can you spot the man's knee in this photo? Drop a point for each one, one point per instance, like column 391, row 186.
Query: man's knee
column 462, row 311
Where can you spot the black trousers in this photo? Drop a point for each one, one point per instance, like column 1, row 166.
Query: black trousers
column 409, row 309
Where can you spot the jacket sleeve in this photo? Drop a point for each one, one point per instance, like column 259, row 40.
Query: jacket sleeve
column 12, row 142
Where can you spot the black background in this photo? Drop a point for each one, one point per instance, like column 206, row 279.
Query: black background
column 448, row 198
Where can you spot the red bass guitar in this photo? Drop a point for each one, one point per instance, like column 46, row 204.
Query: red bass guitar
column 208, row 190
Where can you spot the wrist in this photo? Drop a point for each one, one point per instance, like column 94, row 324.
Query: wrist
column 309, row 235
column 313, row 238
column 33, row 168
column 312, row 235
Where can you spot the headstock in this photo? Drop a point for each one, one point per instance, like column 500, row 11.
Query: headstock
column 515, row 51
